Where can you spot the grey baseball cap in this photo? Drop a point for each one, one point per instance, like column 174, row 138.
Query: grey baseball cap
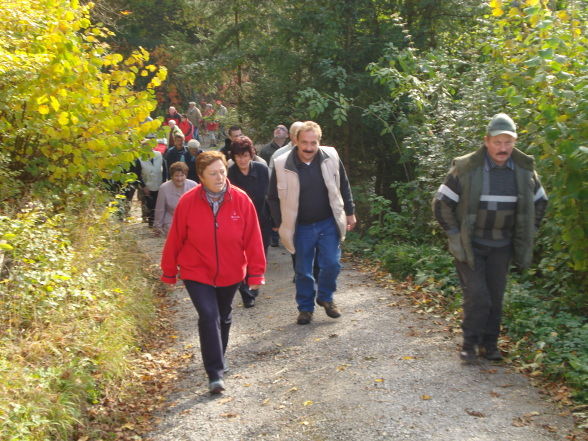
column 500, row 124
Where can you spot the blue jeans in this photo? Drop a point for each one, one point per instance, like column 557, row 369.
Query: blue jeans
column 324, row 237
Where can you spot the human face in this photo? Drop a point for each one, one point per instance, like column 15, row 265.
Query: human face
column 178, row 178
column 499, row 147
column 243, row 160
column 280, row 133
column 172, row 110
column 308, row 144
column 179, row 142
column 235, row 135
column 214, row 177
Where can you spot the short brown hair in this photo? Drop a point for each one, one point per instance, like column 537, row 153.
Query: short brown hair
column 204, row 159
column 178, row 167
column 242, row 146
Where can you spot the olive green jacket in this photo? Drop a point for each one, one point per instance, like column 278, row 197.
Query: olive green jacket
column 469, row 171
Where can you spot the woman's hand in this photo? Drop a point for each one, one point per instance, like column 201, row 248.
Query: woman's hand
column 253, row 286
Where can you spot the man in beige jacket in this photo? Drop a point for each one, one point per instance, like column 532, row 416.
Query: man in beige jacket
column 310, row 200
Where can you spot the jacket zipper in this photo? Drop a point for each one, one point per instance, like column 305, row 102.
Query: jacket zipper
column 216, row 245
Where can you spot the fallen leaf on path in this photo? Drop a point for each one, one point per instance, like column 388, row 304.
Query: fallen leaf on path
column 475, row 413
column 247, row 385
column 333, row 335
column 293, row 389
column 489, row 371
column 520, row 422
column 308, row 403
column 524, row 420
column 379, row 380
column 494, row 394
column 342, row 367
column 225, row 400
column 549, row 428
column 426, row 397
column 229, row 415
column 408, row 357
column 305, row 423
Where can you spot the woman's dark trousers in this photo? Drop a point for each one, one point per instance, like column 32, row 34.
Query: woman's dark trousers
column 214, row 323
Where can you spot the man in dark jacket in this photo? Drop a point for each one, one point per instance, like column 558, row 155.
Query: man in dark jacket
column 490, row 206
column 280, row 138
column 177, row 153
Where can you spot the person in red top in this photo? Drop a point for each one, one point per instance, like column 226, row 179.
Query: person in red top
column 186, row 127
column 215, row 242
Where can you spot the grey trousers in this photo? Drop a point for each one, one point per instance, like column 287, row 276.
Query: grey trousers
column 483, row 292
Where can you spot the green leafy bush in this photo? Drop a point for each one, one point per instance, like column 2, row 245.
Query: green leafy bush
column 549, row 337
column 74, row 303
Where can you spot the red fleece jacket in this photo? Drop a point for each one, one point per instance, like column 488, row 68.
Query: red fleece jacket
column 217, row 251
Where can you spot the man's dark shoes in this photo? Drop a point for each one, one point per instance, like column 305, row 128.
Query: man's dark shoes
column 330, row 308
column 304, row 317
column 249, row 302
column 491, row 353
column 468, row 354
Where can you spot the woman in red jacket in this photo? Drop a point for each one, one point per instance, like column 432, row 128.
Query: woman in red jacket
column 215, row 242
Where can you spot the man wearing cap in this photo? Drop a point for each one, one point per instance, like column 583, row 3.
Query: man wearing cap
column 280, row 137
column 490, row 206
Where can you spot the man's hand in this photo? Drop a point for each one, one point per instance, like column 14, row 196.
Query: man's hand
column 351, row 221
column 146, row 191
column 455, row 247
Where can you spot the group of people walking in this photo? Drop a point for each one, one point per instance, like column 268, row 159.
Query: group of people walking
column 219, row 232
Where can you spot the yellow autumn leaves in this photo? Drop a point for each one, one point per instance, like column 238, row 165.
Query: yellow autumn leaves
column 498, row 6
column 67, row 91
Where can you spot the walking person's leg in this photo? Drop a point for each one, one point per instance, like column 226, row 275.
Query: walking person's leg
column 476, row 301
column 224, row 296
column 497, row 266
column 305, row 240
column 329, row 262
column 205, row 301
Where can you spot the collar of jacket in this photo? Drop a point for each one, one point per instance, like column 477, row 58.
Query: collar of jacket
column 253, row 169
column 291, row 162
column 202, row 194
column 477, row 158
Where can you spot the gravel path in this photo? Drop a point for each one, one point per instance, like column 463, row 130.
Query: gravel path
column 380, row 372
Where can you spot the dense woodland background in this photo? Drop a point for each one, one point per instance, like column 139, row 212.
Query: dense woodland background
column 399, row 87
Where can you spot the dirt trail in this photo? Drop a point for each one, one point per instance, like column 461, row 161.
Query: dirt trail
column 379, row 372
